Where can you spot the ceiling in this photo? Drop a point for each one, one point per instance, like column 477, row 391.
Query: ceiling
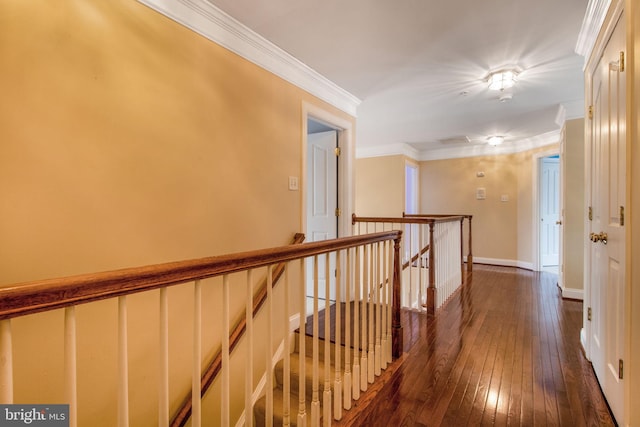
column 420, row 66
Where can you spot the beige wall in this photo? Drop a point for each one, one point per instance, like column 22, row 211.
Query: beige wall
column 128, row 140
column 574, row 213
column 379, row 186
column 501, row 230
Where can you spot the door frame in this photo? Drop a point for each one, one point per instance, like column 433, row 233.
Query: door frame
column 593, row 59
column 542, row 190
column 346, row 196
column 535, row 187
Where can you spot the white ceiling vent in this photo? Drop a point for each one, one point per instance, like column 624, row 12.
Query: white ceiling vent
column 462, row 139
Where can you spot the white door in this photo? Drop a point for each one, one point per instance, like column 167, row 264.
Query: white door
column 550, row 211
column 322, row 200
column 607, row 245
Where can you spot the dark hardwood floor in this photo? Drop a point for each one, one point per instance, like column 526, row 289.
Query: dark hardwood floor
column 505, row 350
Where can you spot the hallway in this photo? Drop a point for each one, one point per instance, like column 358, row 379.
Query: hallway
column 504, row 350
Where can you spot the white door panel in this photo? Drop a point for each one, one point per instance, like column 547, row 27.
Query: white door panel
column 607, row 256
column 550, row 212
column 322, row 201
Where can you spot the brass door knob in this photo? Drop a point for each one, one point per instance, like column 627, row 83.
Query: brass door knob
column 558, row 222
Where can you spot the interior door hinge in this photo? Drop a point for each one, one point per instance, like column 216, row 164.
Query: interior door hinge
column 590, row 213
column 621, row 215
column 337, row 151
column 590, row 112
column 620, row 369
column 589, row 314
column 338, row 212
column 621, row 67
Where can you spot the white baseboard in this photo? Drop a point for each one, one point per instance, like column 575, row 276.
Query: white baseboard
column 503, row 262
column 572, row 293
column 583, row 342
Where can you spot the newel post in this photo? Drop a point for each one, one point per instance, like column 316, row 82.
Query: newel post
column 396, row 325
column 431, row 290
column 470, row 255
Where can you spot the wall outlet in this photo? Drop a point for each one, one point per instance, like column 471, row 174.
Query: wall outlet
column 504, row 198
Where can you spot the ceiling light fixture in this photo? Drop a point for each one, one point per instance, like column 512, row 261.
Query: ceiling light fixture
column 502, row 79
column 495, row 140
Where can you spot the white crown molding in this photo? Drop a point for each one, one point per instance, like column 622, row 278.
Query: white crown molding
column 593, row 19
column 487, row 150
column 217, row 26
column 403, row 149
column 561, row 115
column 400, row 149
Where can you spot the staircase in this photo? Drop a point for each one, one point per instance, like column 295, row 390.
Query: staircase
column 358, row 368
column 259, row 411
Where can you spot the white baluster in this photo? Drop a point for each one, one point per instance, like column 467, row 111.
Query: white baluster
column 378, row 306
column 123, row 364
column 364, row 365
column 163, row 375
column 302, row 410
column 384, row 302
column 70, row 366
column 337, row 408
column 315, row 393
column 347, row 335
column 248, row 381
column 286, row 410
column 356, row 329
column 326, row 395
column 269, row 354
column 6, row 362
column 196, row 358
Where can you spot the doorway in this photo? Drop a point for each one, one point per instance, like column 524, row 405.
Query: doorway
column 605, row 302
column 550, row 213
column 318, row 120
column 322, row 199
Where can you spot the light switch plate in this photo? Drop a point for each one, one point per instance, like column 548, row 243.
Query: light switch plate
column 293, row 183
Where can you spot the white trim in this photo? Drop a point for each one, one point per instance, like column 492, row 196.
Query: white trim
column 583, row 343
column 217, row 26
column 561, row 115
column 535, row 203
column 388, row 150
column 572, row 293
column 346, row 193
column 502, row 262
column 519, row 146
column 591, row 24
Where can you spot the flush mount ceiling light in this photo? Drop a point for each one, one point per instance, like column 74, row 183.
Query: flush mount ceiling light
column 502, row 79
column 495, row 140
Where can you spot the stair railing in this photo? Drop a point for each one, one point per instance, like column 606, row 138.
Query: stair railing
column 369, row 259
column 432, row 249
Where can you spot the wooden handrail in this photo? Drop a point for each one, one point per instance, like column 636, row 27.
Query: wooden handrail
column 33, row 297
column 215, row 365
column 417, row 219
